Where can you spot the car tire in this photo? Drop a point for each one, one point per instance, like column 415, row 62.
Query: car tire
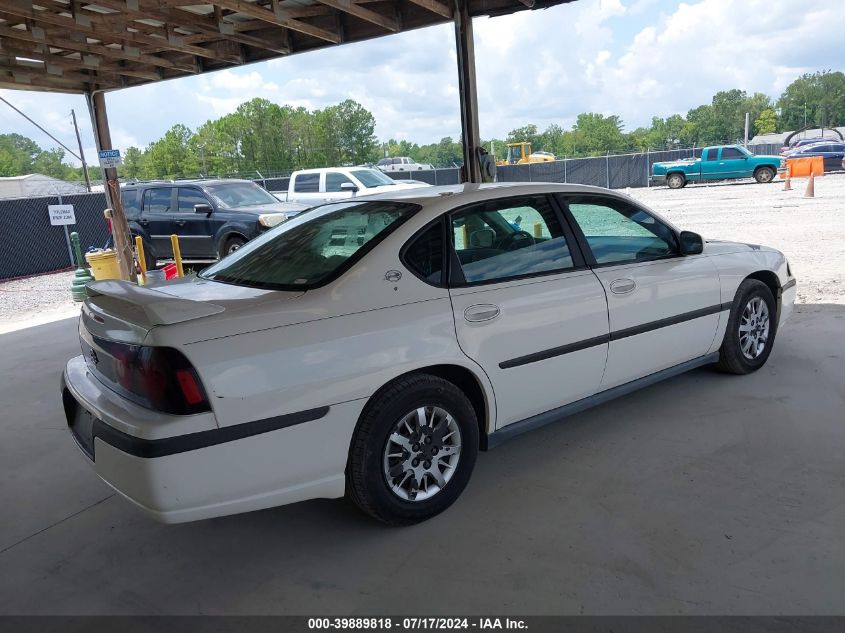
column 231, row 244
column 382, row 474
column 751, row 330
column 764, row 175
column 676, row 181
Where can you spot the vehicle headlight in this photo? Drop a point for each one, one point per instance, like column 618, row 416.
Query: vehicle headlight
column 271, row 219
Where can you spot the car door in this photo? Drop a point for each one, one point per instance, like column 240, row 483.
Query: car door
column 664, row 308
column 196, row 231
column 306, row 188
column 733, row 163
column 158, row 209
column 334, row 180
column 710, row 168
column 526, row 308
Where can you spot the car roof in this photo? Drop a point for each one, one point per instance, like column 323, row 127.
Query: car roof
column 176, row 183
column 319, row 170
column 426, row 196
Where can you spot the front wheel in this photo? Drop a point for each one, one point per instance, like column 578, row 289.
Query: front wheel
column 751, row 329
column 676, row 181
column 413, row 451
column 764, row 175
column 231, row 245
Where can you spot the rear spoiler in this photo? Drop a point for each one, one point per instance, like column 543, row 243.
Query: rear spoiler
column 159, row 308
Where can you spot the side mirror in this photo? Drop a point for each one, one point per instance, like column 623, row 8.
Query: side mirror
column 203, row 208
column 691, row 243
column 349, row 186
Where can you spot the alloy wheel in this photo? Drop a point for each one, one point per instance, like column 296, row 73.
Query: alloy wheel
column 422, row 452
column 754, row 328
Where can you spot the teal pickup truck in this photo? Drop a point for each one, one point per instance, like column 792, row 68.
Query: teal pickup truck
column 718, row 163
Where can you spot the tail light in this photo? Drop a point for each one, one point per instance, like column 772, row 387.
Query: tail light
column 159, row 378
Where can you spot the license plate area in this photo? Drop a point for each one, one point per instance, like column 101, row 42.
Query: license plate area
column 81, row 424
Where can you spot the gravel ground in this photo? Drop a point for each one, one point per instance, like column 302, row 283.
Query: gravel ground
column 36, row 300
column 811, row 231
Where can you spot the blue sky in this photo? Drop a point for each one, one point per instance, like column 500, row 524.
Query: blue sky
column 634, row 58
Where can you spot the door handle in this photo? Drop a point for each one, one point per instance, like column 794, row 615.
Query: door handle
column 179, row 222
column 481, row 312
column 622, row 286
column 143, row 222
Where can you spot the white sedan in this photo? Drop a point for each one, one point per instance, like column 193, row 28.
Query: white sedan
column 371, row 347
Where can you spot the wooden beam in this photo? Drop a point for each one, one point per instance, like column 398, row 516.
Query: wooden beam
column 97, row 49
column 280, row 17
column 435, row 6
column 44, row 72
column 89, row 28
column 363, row 13
column 86, row 62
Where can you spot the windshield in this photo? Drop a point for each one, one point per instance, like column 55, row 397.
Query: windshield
column 239, row 194
column 372, row 178
column 313, row 248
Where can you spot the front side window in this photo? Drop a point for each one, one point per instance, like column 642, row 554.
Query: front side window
column 502, row 239
column 307, row 183
column 240, row 194
column 618, row 232
column 334, row 180
column 729, row 153
column 313, row 248
column 188, row 197
column 131, row 206
column 158, row 200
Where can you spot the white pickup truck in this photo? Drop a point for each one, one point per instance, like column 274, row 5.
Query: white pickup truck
column 401, row 163
column 315, row 186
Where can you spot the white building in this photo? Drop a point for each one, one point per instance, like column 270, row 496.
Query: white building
column 33, row 185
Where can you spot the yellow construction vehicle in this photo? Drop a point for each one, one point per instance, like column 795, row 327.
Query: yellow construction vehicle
column 520, row 153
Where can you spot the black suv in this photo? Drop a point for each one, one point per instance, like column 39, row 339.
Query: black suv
column 211, row 217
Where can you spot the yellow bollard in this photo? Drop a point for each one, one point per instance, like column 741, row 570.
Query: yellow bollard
column 538, row 229
column 142, row 262
column 177, row 255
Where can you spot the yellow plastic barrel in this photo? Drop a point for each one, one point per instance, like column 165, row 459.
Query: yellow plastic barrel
column 103, row 264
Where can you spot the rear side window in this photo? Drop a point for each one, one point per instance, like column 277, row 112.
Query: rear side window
column 131, row 204
column 158, row 200
column 503, row 239
column 307, row 183
column 425, row 254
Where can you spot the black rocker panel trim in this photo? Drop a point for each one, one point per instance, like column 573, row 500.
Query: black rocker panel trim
column 613, row 336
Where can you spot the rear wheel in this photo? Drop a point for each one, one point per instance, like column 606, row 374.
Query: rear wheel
column 764, row 175
column 751, row 329
column 413, row 451
column 676, row 181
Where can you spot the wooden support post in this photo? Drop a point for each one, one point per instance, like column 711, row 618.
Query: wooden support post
column 120, row 227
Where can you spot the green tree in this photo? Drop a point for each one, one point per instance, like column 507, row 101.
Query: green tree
column 17, row 154
column 767, row 122
column 817, row 98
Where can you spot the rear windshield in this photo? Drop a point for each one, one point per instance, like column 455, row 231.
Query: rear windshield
column 312, row 248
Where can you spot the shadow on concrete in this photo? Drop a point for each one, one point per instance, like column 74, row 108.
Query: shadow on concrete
column 704, row 494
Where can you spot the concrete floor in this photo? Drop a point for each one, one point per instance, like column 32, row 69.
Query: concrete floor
column 707, row 494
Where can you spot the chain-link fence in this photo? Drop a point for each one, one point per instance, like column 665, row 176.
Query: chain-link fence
column 29, row 245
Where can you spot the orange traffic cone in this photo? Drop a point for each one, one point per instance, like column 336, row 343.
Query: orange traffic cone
column 787, row 184
column 811, row 186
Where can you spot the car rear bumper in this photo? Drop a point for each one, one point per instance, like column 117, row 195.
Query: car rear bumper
column 185, row 468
